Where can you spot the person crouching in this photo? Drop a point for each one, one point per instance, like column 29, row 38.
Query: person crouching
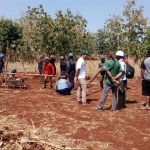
column 62, row 86
column 48, row 69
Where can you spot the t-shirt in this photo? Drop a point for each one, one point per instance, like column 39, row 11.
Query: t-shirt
column 100, row 65
column 61, row 84
column 146, row 66
column 81, row 65
column 114, row 71
column 123, row 68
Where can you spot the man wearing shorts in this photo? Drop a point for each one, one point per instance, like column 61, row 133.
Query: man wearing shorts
column 145, row 73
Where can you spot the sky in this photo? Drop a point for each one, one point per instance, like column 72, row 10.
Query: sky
column 96, row 12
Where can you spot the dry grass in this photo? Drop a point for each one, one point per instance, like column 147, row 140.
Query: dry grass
column 92, row 67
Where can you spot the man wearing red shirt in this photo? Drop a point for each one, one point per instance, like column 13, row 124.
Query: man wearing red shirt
column 48, row 69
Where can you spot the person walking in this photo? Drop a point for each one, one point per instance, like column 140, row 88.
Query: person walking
column 48, row 70
column 145, row 74
column 102, row 73
column 71, row 68
column 113, row 72
column 80, row 76
column 122, row 80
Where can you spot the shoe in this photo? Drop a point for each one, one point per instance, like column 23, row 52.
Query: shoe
column 79, row 102
column 98, row 109
column 84, row 103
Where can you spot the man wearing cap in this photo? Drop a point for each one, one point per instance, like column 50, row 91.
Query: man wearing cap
column 71, row 68
column 2, row 68
column 113, row 72
column 40, row 67
column 102, row 73
column 145, row 73
column 80, row 76
column 122, row 80
column 63, row 64
column 48, row 70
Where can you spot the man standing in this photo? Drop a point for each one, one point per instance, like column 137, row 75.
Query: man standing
column 102, row 73
column 122, row 80
column 40, row 67
column 48, row 70
column 2, row 68
column 145, row 73
column 80, row 76
column 63, row 64
column 71, row 68
column 113, row 72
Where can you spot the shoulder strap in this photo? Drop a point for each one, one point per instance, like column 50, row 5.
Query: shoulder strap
column 112, row 66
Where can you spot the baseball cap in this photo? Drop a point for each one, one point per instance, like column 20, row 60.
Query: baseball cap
column 46, row 58
column 1, row 55
column 83, row 52
column 120, row 53
column 14, row 69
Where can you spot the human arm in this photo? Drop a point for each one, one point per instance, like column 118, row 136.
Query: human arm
column 142, row 69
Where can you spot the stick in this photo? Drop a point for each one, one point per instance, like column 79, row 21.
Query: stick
column 41, row 75
column 95, row 76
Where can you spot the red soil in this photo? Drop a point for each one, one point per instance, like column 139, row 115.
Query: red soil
column 125, row 129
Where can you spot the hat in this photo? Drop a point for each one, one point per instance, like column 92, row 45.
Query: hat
column 62, row 57
column 102, row 56
column 83, row 52
column 1, row 55
column 46, row 58
column 14, row 69
column 70, row 54
column 120, row 53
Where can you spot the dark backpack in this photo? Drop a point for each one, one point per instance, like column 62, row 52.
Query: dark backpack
column 130, row 71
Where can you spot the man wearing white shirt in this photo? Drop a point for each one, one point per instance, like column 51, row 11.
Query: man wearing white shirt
column 122, row 79
column 80, row 76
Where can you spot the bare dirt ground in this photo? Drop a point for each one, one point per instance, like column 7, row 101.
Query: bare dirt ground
column 40, row 119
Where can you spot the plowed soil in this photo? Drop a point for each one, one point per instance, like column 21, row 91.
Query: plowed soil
column 78, row 126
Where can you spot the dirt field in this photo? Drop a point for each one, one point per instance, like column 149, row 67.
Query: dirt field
column 38, row 119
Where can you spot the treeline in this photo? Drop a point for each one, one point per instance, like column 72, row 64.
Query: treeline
column 36, row 32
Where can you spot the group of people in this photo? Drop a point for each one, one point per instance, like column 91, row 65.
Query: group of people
column 112, row 72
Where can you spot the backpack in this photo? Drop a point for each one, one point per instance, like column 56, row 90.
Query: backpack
column 129, row 71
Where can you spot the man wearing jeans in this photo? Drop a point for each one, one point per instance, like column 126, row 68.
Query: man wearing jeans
column 80, row 76
column 113, row 72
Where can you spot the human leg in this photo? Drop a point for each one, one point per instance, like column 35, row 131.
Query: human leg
column 114, row 98
column 83, row 87
column 104, row 96
column 78, row 91
column 50, row 82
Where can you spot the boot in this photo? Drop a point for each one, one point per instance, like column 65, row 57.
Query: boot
column 121, row 101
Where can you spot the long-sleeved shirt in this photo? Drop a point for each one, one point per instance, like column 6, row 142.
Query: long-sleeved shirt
column 61, row 84
column 48, row 69
column 40, row 66
column 63, row 66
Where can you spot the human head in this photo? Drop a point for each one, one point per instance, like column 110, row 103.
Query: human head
column 14, row 70
column 111, row 55
column 148, row 52
column 46, row 60
column 1, row 56
column 70, row 55
column 102, row 57
column 84, row 54
column 41, row 57
column 63, row 75
column 62, row 58
column 119, row 54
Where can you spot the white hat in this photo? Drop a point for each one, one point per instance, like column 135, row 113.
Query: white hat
column 120, row 53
